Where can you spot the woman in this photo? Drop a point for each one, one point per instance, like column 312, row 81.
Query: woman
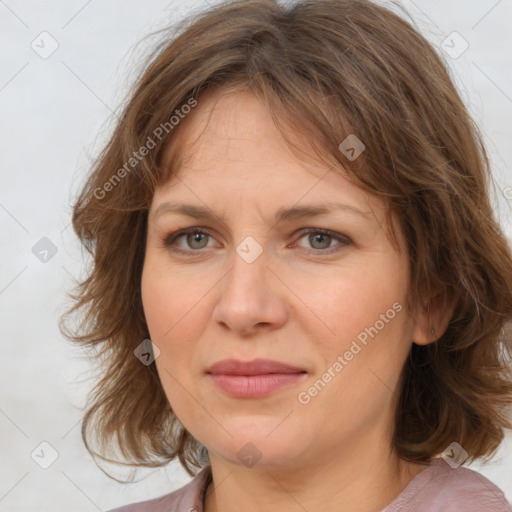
column 299, row 287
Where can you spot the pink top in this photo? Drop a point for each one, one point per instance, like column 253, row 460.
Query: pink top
column 438, row 488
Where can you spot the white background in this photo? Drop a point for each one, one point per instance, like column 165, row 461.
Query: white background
column 55, row 114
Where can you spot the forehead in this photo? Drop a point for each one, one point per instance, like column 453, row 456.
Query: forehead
column 230, row 137
column 227, row 126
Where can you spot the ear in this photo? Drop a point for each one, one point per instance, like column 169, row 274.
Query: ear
column 432, row 318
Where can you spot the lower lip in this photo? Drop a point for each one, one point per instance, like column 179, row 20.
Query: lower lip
column 255, row 386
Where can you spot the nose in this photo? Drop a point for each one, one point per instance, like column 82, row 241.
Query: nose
column 250, row 297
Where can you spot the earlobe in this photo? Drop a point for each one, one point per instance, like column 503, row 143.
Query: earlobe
column 433, row 318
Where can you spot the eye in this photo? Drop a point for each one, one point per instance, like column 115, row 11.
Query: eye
column 320, row 240
column 194, row 239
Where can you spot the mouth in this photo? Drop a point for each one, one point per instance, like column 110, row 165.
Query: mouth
column 254, row 379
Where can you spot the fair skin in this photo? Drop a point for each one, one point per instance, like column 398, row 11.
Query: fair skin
column 303, row 301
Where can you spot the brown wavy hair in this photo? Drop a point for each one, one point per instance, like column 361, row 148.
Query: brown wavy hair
column 324, row 69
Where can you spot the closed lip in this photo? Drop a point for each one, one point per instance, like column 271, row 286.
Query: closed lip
column 254, row 367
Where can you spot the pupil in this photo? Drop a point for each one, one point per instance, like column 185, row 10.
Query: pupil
column 319, row 237
column 196, row 238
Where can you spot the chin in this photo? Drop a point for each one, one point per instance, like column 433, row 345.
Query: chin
column 253, row 442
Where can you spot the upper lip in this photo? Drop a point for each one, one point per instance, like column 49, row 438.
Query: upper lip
column 254, row 367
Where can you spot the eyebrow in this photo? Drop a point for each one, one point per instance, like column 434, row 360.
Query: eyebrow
column 283, row 214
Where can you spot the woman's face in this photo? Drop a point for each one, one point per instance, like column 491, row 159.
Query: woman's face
column 324, row 293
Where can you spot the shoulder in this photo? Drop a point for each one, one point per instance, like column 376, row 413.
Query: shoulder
column 440, row 487
column 188, row 498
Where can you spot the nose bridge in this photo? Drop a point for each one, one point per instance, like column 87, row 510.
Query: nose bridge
column 245, row 298
column 248, row 268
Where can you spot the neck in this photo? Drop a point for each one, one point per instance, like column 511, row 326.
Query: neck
column 359, row 477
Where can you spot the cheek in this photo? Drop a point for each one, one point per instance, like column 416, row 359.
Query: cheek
column 155, row 301
column 168, row 316
column 355, row 298
column 176, row 309
column 167, row 298
column 362, row 361
column 365, row 312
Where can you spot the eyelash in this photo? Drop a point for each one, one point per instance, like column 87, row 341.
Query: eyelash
column 170, row 240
